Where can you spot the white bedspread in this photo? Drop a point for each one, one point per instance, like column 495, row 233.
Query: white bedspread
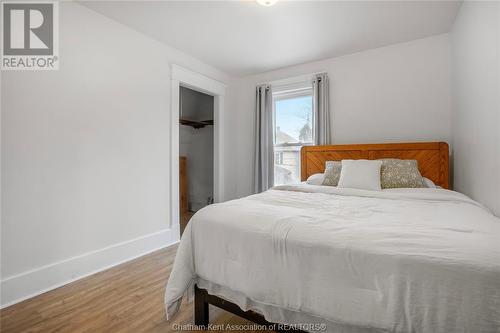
column 409, row 260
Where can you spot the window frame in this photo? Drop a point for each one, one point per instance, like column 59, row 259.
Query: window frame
column 302, row 89
column 289, row 94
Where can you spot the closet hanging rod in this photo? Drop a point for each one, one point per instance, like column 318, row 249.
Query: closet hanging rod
column 196, row 124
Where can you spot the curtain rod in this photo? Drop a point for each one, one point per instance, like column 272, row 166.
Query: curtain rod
column 292, row 79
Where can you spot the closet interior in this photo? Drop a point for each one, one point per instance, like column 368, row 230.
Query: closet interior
column 196, row 150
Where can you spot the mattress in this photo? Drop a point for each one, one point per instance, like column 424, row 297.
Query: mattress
column 401, row 260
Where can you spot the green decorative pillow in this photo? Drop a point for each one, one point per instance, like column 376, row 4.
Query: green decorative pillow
column 332, row 173
column 396, row 173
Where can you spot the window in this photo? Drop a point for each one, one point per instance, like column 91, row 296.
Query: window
column 293, row 128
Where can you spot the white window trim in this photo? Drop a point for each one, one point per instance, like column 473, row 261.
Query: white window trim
column 291, row 89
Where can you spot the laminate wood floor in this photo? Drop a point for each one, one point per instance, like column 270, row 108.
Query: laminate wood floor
column 125, row 298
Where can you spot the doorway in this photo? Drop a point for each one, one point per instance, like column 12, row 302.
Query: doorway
column 184, row 78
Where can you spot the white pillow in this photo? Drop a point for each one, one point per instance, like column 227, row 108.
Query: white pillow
column 430, row 184
column 316, row 179
column 361, row 174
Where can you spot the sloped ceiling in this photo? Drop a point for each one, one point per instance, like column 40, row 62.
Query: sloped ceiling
column 242, row 37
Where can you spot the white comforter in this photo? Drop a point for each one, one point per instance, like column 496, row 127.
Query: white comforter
column 421, row 260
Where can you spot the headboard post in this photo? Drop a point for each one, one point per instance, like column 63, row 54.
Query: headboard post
column 444, row 155
column 432, row 157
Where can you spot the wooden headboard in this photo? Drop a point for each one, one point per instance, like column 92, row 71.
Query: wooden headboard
column 432, row 157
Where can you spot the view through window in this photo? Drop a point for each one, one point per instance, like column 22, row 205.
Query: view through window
column 293, row 121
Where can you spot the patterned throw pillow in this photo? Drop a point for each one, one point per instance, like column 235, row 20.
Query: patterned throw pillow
column 396, row 173
column 332, row 173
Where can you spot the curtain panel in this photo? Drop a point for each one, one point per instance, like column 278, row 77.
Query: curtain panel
column 264, row 142
column 321, row 110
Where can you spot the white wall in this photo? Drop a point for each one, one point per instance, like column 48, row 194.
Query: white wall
column 85, row 154
column 390, row 94
column 476, row 104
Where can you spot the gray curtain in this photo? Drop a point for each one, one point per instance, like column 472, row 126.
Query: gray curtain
column 321, row 110
column 264, row 152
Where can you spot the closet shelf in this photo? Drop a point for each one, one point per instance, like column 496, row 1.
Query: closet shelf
column 196, row 124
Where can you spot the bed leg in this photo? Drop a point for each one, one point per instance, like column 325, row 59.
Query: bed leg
column 200, row 308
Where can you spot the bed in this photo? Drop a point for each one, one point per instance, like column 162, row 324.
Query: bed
column 322, row 258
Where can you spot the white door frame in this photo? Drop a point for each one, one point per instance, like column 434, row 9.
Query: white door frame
column 187, row 78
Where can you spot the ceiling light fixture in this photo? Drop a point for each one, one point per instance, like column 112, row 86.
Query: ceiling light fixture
column 266, row 3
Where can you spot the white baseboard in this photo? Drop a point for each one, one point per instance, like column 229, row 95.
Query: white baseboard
column 28, row 284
